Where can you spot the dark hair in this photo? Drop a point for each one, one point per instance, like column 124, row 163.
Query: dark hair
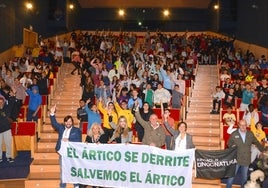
column 66, row 118
column 259, row 123
column 123, row 101
column 229, row 106
column 183, row 122
column 124, row 89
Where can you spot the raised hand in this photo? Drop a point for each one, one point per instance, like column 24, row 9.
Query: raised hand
column 53, row 109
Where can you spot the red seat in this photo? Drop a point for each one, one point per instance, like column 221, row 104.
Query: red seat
column 39, row 113
column 22, row 113
column 187, row 83
column 157, row 111
column 175, row 114
column 265, row 129
column 238, row 102
column 240, row 115
column 26, row 128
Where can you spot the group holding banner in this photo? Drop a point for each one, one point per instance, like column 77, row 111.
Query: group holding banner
column 130, row 165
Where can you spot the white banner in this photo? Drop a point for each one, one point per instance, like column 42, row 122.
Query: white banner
column 129, row 166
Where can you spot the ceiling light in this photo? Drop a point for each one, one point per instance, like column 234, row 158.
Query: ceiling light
column 166, row 13
column 121, row 12
column 29, row 6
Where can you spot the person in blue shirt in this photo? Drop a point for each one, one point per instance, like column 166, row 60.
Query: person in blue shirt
column 134, row 97
column 93, row 114
column 247, row 97
column 167, row 81
column 35, row 101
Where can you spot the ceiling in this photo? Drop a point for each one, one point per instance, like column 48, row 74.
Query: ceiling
column 200, row 4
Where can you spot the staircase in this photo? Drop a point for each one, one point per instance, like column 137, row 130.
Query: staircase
column 203, row 126
column 45, row 170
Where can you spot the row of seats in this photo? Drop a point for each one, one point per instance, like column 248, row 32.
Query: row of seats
column 24, row 132
column 238, row 102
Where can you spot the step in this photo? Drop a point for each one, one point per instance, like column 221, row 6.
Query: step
column 202, row 110
column 61, row 101
column 47, row 127
column 200, row 105
column 46, row 147
column 65, row 111
column 196, row 105
column 49, row 135
column 69, row 83
column 66, row 106
column 200, row 99
column 203, row 124
column 205, row 94
column 44, row 184
column 14, row 183
column 203, row 131
column 46, row 158
column 206, row 141
column 201, row 117
column 70, row 98
column 44, row 172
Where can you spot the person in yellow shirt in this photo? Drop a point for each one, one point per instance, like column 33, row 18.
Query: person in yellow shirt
column 109, row 115
column 261, row 137
column 122, row 110
column 258, row 131
column 249, row 77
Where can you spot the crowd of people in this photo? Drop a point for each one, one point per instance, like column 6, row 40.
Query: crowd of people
column 124, row 77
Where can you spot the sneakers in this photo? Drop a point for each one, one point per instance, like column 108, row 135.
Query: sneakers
column 214, row 112
column 10, row 160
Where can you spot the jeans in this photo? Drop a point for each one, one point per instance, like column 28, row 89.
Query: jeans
column 30, row 116
column 216, row 101
column 244, row 176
